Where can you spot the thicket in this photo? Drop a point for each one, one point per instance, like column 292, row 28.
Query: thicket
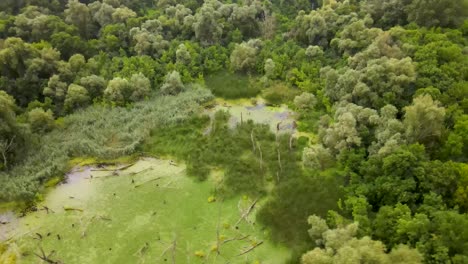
column 99, row 131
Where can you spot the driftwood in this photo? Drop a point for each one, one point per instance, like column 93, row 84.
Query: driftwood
column 47, row 209
column 117, row 169
column 142, row 250
column 252, row 140
column 148, row 181
column 234, row 239
column 251, row 248
column 279, row 159
column 290, row 142
column 247, row 212
column 66, row 208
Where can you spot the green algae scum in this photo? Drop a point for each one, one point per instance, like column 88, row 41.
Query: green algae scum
column 150, row 212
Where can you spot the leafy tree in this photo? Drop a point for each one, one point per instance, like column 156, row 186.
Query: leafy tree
column 41, row 121
column 389, row 133
column 270, row 69
column 141, row 87
column 314, row 52
column 205, row 23
column 77, row 97
column 442, row 13
column 172, row 84
column 34, row 24
column 122, row 14
column 148, row 39
column 244, row 55
column 183, row 55
column 341, row 246
column 424, row 120
column 56, row 89
column 102, row 13
column 116, row 90
column 305, row 101
column 456, row 145
column 94, row 84
column 386, row 13
column 320, row 26
column 355, row 37
column 382, row 81
column 317, row 157
column 78, row 14
column 11, row 133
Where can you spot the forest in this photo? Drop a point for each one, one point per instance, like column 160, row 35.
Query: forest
column 377, row 171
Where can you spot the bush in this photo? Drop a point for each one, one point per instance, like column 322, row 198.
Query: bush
column 41, row 121
column 279, row 93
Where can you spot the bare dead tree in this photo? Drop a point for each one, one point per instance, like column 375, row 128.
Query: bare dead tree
column 5, row 147
column 252, row 140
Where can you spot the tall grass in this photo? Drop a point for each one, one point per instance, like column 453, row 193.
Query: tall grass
column 98, row 131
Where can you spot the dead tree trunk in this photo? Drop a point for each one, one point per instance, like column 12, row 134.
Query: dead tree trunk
column 290, row 142
column 261, row 156
column 5, row 147
column 253, row 141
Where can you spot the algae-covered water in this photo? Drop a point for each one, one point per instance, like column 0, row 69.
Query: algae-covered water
column 150, row 212
column 278, row 118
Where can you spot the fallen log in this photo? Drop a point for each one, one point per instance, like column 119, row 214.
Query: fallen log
column 247, row 212
column 234, row 239
column 250, row 249
column 152, row 180
column 67, row 208
column 117, row 169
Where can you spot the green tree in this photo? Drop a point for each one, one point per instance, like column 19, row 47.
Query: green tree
column 172, row 84
column 77, row 97
column 305, row 101
column 270, row 69
column 141, row 87
column 41, row 121
column 443, row 13
column 94, row 84
column 183, row 55
column 116, row 90
column 424, row 120
column 317, row 157
column 78, row 14
column 244, row 55
column 205, row 23
column 340, row 246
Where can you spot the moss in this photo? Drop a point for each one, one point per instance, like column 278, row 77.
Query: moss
column 53, row 182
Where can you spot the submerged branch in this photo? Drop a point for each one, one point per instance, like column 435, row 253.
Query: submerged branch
column 250, row 249
column 247, row 212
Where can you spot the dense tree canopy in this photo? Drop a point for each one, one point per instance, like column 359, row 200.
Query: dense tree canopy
column 379, row 89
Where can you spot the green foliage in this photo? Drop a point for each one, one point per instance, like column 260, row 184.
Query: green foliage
column 239, row 86
column 41, row 121
column 279, row 93
column 387, row 75
column 98, row 131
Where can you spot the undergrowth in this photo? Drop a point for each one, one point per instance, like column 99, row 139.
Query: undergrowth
column 231, row 85
column 205, row 144
column 99, row 131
